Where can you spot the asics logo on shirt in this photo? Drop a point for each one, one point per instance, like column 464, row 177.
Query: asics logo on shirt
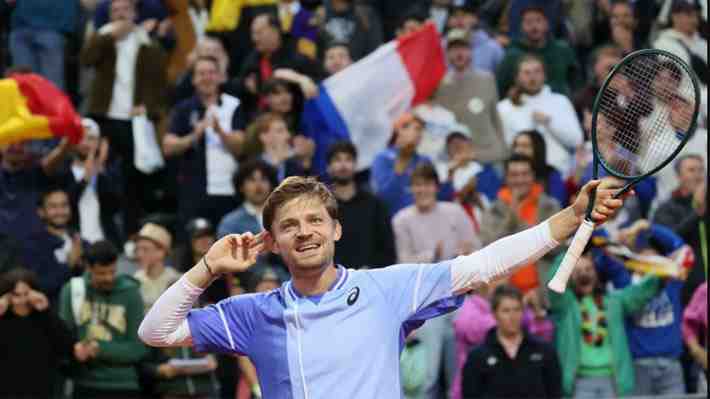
column 353, row 295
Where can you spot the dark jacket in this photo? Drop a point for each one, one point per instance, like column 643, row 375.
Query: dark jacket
column 367, row 239
column 38, row 255
column 31, row 348
column 150, row 80
column 109, row 196
column 490, row 373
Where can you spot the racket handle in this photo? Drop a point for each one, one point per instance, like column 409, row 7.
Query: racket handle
column 580, row 240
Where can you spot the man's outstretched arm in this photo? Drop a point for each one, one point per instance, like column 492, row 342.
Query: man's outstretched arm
column 166, row 322
column 503, row 256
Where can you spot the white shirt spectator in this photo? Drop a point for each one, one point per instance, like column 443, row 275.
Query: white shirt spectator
column 563, row 133
column 672, row 41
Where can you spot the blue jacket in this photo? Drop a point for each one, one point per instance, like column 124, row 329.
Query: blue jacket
column 655, row 330
column 394, row 189
column 61, row 16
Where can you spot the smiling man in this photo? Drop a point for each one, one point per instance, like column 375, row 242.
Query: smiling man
column 324, row 332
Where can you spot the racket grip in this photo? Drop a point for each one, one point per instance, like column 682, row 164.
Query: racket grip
column 580, row 240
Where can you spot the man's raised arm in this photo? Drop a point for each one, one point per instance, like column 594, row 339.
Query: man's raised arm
column 166, row 322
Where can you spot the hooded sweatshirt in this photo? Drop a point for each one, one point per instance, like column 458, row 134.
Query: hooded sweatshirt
column 111, row 319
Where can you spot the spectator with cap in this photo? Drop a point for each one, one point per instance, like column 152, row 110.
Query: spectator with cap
column 54, row 251
column 558, row 58
column 201, row 235
column 153, row 245
column 94, row 190
column 472, row 96
column 461, row 168
column 683, row 39
column 361, row 214
column 392, row 168
column 352, row 23
column 486, row 52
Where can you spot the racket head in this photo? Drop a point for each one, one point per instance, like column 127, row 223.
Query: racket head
column 644, row 114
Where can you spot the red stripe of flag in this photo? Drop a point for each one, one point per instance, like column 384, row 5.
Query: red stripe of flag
column 423, row 57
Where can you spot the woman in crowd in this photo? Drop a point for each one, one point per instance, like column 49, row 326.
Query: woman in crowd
column 33, row 340
column 531, row 144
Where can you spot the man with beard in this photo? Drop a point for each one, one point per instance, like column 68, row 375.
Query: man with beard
column 362, row 215
column 53, row 252
column 104, row 309
column 532, row 105
column 596, row 363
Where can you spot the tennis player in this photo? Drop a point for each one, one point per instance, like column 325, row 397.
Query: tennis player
column 333, row 332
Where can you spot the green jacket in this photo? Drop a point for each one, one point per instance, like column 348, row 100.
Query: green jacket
column 618, row 304
column 112, row 320
column 560, row 65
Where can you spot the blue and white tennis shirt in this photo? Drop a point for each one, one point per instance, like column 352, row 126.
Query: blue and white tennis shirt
column 343, row 344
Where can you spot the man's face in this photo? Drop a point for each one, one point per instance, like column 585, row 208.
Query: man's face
column 519, row 178
column 584, row 275
column 408, row 27
column 213, row 48
column 123, row 10
column 665, row 85
column 459, row 56
column 280, row 100
column 685, row 21
column 336, row 59
column 681, row 114
column 621, row 14
column 691, row 174
column 531, row 76
column 342, row 168
column 149, row 253
column 304, row 235
column 463, row 20
column 55, row 210
column 103, row 276
column 534, row 26
column 88, row 145
column 603, row 66
column 276, row 135
column 424, row 192
column 266, row 38
column 206, row 78
column 509, row 316
column 256, row 188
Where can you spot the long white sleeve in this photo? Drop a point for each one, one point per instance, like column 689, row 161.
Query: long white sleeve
column 564, row 125
column 166, row 321
column 501, row 257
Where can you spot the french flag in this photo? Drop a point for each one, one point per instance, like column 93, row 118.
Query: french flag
column 361, row 102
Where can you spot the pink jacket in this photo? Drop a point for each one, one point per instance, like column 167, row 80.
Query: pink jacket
column 695, row 316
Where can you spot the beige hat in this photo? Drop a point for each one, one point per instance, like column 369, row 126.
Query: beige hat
column 157, row 234
column 458, row 36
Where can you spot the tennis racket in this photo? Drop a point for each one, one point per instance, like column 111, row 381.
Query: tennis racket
column 644, row 113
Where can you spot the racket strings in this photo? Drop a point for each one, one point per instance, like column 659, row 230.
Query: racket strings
column 643, row 114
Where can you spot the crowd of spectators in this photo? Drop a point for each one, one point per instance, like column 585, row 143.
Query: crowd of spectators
column 193, row 115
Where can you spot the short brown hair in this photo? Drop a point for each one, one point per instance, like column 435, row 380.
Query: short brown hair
column 294, row 187
column 425, row 171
